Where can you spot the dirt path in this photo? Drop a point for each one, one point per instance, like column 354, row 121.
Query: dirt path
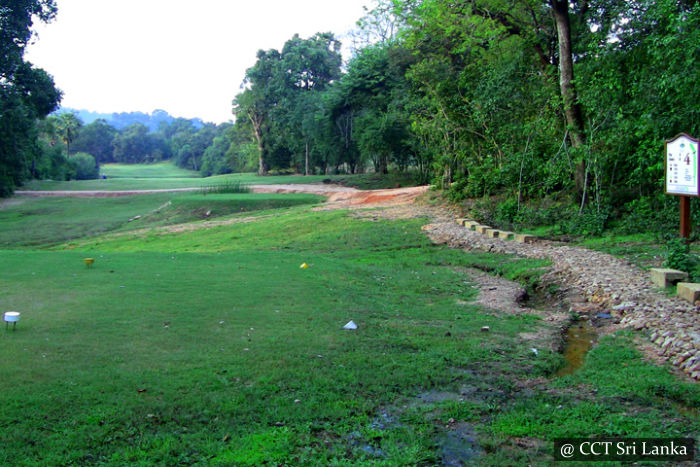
column 338, row 197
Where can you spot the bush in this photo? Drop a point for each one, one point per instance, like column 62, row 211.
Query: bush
column 589, row 222
column 507, row 212
column 678, row 255
column 86, row 168
column 650, row 213
column 52, row 163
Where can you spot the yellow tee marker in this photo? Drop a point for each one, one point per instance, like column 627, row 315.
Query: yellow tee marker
column 89, row 261
column 304, row 266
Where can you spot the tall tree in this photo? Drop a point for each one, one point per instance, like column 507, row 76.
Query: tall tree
column 259, row 97
column 572, row 106
column 26, row 93
column 246, row 106
column 97, row 139
column 135, row 145
column 67, row 125
column 281, row 96
column 311, row 66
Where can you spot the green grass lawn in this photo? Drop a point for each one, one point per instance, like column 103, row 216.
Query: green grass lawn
column 213, row 347
column 28, row 221
column 157, row 170
column 165, row 175
column 32, row 222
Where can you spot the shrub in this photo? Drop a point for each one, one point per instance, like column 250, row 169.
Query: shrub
column 678, row 255
column 86, row 168
column 650, row 213
column 507, row 212
column 589, row 222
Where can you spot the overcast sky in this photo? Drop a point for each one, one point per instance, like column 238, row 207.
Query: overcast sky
column 183, row 56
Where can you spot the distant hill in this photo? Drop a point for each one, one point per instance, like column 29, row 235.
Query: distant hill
column 124, row 119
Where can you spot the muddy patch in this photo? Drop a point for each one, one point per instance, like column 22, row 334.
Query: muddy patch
column 579, row 339
column 505, row 296
column 456, row 442
column 496, row 293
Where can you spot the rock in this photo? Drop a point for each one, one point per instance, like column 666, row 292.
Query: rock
column 667, row 277
column 524, row 238
column 688, row 291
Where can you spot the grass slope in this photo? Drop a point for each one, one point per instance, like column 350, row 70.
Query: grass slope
column 157, row 170
column 31, row 222
column 212, row 347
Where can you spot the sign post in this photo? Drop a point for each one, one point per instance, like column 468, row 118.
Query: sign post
column 682, row 174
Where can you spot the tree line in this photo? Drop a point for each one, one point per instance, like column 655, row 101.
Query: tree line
column 522, row 100
column 67, row 147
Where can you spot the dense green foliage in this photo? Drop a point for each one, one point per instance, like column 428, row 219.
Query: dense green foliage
column 523, row 100
column 26, row 93
column 85, row 166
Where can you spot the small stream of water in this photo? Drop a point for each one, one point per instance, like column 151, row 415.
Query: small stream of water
column 578, row 340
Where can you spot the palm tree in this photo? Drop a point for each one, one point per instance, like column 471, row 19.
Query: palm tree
column 68, row 125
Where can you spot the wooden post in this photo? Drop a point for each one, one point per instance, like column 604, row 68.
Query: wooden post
column 685, row 217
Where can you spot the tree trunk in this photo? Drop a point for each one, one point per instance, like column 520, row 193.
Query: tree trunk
column 572, row 108
column 262, row 166
column 257, row 130
column 306, row 161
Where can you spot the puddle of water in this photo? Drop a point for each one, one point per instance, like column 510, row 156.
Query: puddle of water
column 458, row 446
column 578, row 340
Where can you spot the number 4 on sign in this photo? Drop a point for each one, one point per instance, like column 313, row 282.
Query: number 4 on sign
column 683, row 181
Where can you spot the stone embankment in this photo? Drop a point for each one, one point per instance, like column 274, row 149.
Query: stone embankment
column 609, row 285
